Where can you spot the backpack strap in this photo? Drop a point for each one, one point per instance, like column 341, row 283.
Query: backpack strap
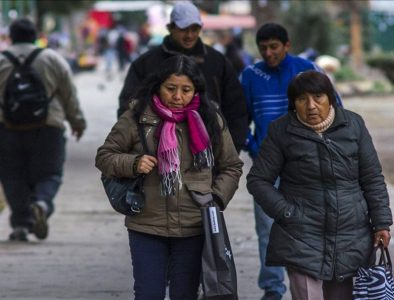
column 32, row 56
column 16, row 61
column 29, row 60
column 11, row 58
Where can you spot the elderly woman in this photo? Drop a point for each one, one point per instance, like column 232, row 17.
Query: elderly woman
column 332, row 204
column 194, row 152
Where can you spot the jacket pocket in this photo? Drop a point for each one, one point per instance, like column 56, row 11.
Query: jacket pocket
column 200, row 187
column 199, row 192
column 291, row 214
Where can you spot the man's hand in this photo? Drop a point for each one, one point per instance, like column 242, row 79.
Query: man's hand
column 77, row 132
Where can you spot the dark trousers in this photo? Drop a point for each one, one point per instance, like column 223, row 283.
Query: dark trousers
column 158, row 260
column 31, row 168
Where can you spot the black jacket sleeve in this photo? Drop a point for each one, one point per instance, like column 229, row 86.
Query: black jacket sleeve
column 233, row 106
column 132, row 81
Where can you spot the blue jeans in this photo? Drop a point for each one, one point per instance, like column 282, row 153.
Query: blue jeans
column 271, row 279
column 31, row 168
column 158, row 260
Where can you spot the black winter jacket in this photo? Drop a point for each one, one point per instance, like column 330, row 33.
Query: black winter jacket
column 223, row 85
column 331, row 198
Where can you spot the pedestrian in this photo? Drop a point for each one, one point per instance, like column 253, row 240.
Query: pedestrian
column 265, row 84
column 106, row 48
column 32, row 155
column 223, row 85
column 123, row 49
column 332, row 204
column 193, row 153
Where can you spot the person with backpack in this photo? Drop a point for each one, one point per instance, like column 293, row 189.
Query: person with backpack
column 37, row 96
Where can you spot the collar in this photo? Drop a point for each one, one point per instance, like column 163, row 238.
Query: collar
column 171, row 47
column 296, row 127
column 283, row 64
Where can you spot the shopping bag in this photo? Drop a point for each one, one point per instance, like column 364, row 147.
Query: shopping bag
column 218, row 274
column 376, row 281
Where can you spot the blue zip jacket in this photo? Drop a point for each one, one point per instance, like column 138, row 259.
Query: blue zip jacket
column 265, row 90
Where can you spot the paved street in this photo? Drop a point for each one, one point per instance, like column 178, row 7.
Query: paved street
column 86, row 255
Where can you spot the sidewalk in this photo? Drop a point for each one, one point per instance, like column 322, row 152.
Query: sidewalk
column 86, row 255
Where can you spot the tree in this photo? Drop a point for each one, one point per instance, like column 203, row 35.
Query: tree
column 309, row 26
column 355, row 9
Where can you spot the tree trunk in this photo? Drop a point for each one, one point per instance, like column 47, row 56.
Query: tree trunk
column 356, row 39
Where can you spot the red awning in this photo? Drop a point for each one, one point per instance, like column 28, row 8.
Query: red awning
column 103, row 18
column 227, row 21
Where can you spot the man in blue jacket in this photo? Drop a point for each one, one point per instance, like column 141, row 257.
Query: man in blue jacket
column 265, row 88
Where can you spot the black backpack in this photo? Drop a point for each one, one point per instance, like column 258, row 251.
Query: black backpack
column 25, row 99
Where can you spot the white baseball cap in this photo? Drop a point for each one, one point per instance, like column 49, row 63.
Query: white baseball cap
column 185, row 14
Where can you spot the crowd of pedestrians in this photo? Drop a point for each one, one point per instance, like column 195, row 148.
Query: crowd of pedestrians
column 320, row 200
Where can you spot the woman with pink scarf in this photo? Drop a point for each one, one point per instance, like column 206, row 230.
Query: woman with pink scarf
column 190, row 153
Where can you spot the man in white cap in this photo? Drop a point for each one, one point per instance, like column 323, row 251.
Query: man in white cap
column 223, row 85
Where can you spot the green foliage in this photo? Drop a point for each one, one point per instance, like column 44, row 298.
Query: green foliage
column 346, row 73
column 384, row 62
column 62, row 7
column 309, row 26
column 343, row 22
column 379, row 87
column 382, row 29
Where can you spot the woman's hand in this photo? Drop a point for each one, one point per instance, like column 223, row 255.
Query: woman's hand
column 384, row 236
column 146, row 163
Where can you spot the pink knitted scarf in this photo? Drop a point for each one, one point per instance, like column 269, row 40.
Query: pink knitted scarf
column 167, row 151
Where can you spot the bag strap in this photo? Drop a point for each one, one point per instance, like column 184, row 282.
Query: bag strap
column 384, row 259
column 30, row 58
column 11, row 58
column 141, row 133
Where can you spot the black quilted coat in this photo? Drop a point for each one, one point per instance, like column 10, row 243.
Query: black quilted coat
column 332, row 195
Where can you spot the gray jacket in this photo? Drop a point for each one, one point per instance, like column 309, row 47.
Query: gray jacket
column 57, row 78
column 332, row 195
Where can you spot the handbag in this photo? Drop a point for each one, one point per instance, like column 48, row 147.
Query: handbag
column 376, row 281
column 126, row 195
column 218, row 273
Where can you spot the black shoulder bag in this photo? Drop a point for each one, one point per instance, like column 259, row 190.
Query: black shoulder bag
column 126, row 195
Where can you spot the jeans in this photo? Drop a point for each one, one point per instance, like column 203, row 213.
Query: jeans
column 160, row 260
column 31, row 169
column 271, row 279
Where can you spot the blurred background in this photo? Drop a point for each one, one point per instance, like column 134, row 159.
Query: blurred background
column 352, row 40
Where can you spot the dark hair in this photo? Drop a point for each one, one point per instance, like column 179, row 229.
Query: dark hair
column 23, row 31
column 270, row 31
column 310, row 82
column 181, row 65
